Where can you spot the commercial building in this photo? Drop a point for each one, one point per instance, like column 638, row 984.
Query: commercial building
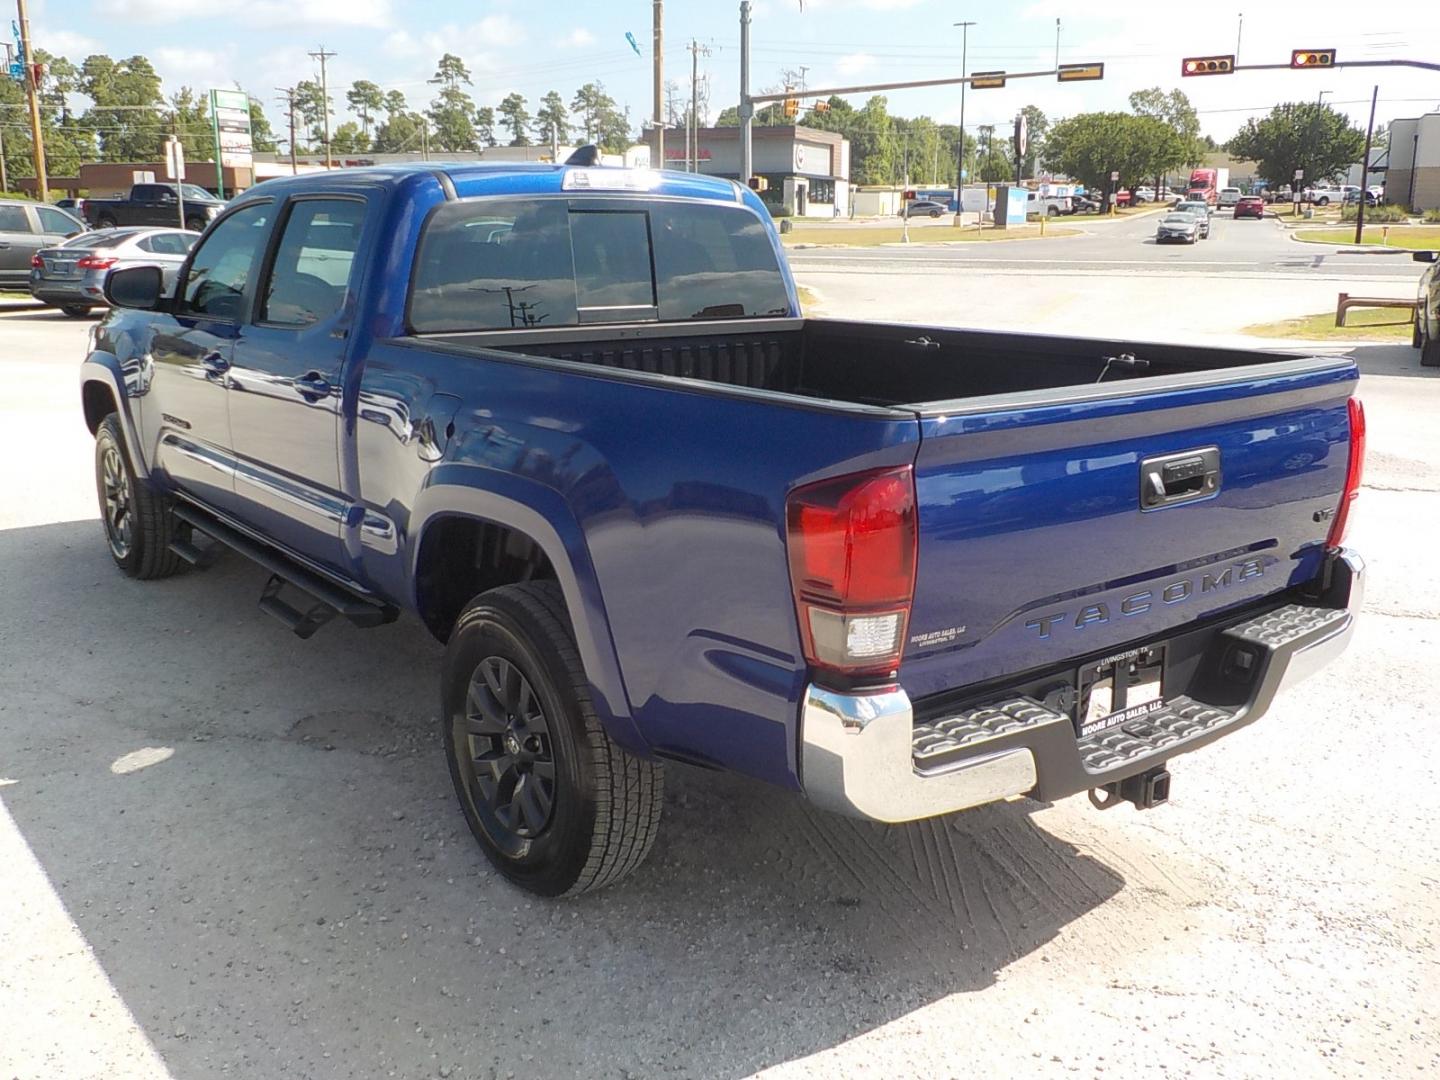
column 1412, row 176
column 807, row 171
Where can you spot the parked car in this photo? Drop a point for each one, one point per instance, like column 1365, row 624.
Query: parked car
column 1084, row 204
column 71, row 276
column 1183, row 227
column 1202, row 212
column 1353, row 196
column 74, row 207
column 1322, row 196
column 924, row 208
column 1427, row 310
column 1144, row 195
column 986, row 565
column 26, row 227
column 1048, row 205
column 155, row 204
column 1250, row 206
column 1229, row 196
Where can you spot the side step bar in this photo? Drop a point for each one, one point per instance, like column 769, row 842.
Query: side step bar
column 328, row 598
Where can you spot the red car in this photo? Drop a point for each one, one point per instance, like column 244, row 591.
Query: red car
column 1250, row 206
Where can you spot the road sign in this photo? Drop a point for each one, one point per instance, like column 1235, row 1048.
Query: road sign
column 1299, row 174
column 1208, row 65
column 174, row 159
column 1079, row 72
column 987, row 80
column 230, row 124
column 1305, row 59
column 1022, row 135
column 1114, row 176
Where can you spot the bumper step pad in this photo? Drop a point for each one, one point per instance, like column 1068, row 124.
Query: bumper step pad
column 942, row 742
column 1181, row 719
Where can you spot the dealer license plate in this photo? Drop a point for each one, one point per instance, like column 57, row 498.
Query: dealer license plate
column 1119, row 689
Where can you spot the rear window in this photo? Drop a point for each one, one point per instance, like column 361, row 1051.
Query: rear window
column 501, row 264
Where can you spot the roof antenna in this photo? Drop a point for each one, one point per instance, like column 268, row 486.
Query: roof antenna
column 588, row 154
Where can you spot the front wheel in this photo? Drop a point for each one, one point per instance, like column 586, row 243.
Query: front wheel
column 934, row 213
column 1430, row 353
column 1322, row 201
column 138, row 522
column 556, row 805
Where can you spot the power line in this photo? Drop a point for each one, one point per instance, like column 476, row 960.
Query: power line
column 323, row 56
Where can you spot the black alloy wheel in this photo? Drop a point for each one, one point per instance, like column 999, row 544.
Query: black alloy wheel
column 117, row 500
column 510, row 774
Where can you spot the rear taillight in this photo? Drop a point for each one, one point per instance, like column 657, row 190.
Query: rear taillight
column 37, row 263
column 96, row 262
column 1355, row 468
column 852, row 568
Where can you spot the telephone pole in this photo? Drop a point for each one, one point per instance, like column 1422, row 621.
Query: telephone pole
column 32, row 88
column 289, row 100
column 322, row 56
column 659, row 49
column 696, row 51
column 960, row 154
column 747, row 107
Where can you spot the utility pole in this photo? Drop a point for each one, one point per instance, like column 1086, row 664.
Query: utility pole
column 289, row 99
column 4, row 175
column 32, row 88
column 322, row 56
column 747, row 107
column 960, row 154
column 659, row 48
column 696, row 51
column 1365, row 169
column 1239, row 32
column 1057, row 45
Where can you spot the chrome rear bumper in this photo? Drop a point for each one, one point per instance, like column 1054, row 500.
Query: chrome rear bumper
column 863, row 754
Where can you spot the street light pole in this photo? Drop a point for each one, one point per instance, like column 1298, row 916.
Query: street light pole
column 960, row 155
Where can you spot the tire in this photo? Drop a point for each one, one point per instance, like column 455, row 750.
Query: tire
column 195, row 224
column 1324, row 200
column 1416, row 338
column 594, row 809
column 1050, row 211
column 1430, row 353
column 75, row 311
column 138, row 522
column 105, row 221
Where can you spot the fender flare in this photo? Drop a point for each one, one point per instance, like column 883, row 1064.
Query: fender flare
column 541, row 513
column 106, row 369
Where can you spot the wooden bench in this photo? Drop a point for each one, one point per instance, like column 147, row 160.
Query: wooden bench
column 1347, row 302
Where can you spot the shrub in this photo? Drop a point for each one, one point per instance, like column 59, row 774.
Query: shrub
column 1377, row 215
column 1431, row 217
column 779, row 211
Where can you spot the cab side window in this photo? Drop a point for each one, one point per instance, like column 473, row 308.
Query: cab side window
column 13, row 219
column 311, row 273
column 224, row 263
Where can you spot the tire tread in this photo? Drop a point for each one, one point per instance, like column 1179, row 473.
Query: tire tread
column 154, row 522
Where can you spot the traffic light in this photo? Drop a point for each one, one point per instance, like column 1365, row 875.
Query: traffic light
column 792, row 106
column 1312, row 58
column 1208, row 65
column 822, row 106
column 987, row 80
column 758, row 183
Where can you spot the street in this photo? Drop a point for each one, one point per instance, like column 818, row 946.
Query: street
column 1246, row 272
column 227, row 852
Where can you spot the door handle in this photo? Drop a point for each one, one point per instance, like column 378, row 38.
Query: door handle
column 215, row 363
column 313, row 386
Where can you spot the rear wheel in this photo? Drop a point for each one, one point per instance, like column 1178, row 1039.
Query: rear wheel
column 75, row 311
column 105, row 221
column 195, row 224
column 556, row 805
column 1417, row 339
column 138, row 522
column 1430, row 353
column 934, row 213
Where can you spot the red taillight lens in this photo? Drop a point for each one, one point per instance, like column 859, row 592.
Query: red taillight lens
column 37, row 263
column 96, row 262
column 852, row 567
column 1355, row 469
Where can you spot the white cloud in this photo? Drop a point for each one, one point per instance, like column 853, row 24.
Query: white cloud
column 854, row 63
column 576, row 39
column 321, row 13
column 66, row 43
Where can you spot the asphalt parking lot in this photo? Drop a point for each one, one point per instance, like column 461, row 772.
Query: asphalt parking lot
column 228, row 853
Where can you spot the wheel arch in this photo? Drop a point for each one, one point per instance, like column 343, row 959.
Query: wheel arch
column 532, row 531
column 102, row 391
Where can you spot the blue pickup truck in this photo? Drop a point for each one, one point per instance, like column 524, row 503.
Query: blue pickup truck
column 572, row 418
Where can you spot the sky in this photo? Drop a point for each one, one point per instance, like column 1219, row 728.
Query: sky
column 530, row 48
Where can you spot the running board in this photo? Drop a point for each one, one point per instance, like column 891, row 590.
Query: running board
column 327, row 598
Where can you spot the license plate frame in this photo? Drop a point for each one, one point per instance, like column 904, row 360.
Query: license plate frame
column 1119, row 689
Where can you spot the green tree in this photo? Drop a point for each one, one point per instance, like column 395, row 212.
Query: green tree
column 126, row 114
column 452, row 109
column 604, row 123
column 311, row 107
column 1301, row 135
column 190, row 121
column 1172, row 107
column 366, row 100
column 552, row 119
column 1091, row 146
column 399, row 134
column 349, row 139
column 515, row 116
column 485, row 127
column 395, row 103
column 262, row 135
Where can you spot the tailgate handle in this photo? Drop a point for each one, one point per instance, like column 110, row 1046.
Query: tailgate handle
column 1177, row 478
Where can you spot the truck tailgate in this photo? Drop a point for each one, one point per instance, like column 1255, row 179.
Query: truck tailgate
column 1034, row 547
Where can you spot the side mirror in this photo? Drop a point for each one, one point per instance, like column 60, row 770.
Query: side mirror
column 1426, row 256
column 138, row 287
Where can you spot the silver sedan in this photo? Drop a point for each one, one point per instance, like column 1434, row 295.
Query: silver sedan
column 71, row 276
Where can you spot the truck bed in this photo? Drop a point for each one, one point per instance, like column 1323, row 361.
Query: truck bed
column 862, row 363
